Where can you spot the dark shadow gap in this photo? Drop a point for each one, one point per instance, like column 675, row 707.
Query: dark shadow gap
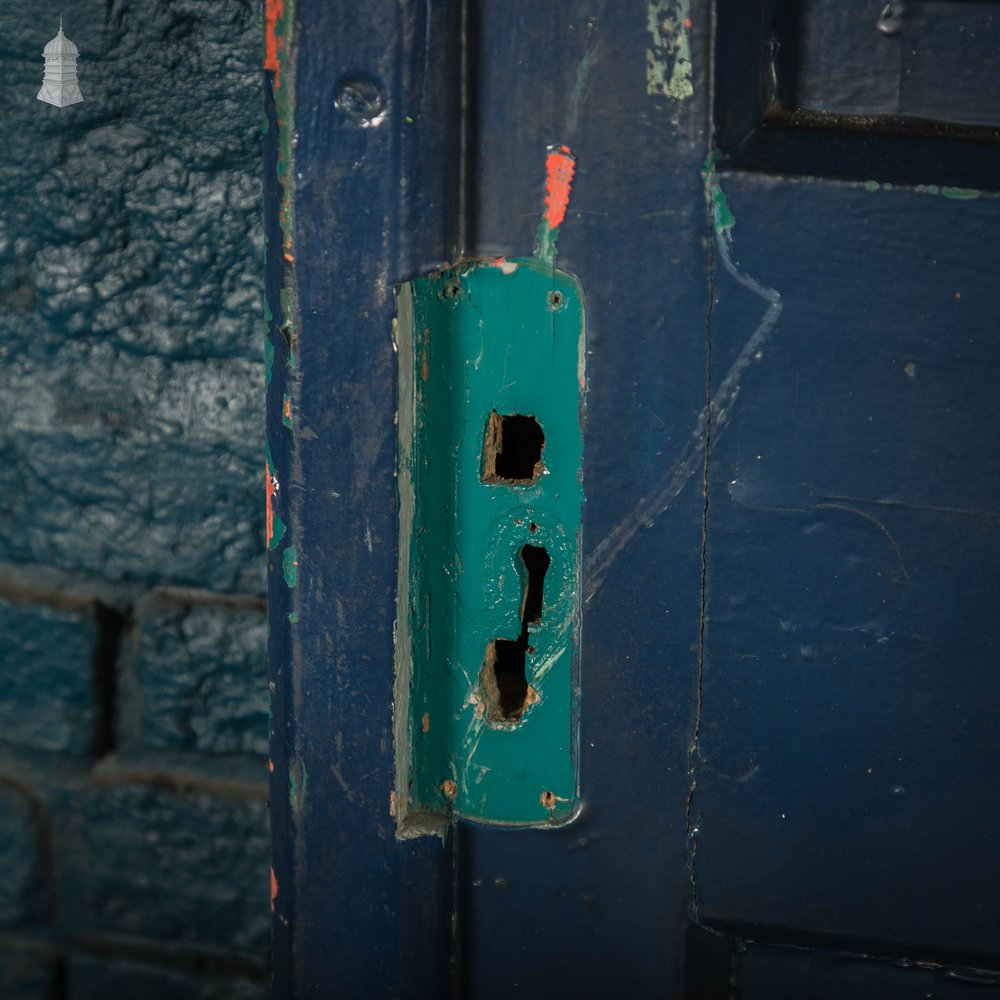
column 111, row 625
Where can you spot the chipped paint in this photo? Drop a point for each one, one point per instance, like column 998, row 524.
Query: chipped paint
column 290, row 566
column 504, row 266
column 288, row 328
column 274, row 526
column 560, row 165
column 274, row 12
column 274, row 888
column 951, row 193
column 723, row 219
column 293, row 617
column 668, row 58
column 961, row 194
column 298, row 780
column 286, row 410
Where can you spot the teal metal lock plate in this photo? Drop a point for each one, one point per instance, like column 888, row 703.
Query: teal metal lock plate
column 491, row 395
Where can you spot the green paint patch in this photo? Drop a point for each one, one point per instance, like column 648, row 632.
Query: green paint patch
column 668, row 57
column 288, row 330
column 290, row 566
column 961, row 194
column 293, row 617
column 268, row 360
column 298, row 781
column 278, row 531
column 723, row 219
column 952, row 193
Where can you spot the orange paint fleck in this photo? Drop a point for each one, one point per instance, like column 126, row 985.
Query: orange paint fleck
column 425, row 723
column 287, row 408
column 687, row 23
column 269, row 492
column 559, row 167
column 289, row 258
column 273, row 12
column 270, row 766
column 274, row 889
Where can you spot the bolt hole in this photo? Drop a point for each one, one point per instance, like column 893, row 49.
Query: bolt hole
column 452, row 291
column 532, row 527
column 556, row 299
column 512, row 449
column 548, row 800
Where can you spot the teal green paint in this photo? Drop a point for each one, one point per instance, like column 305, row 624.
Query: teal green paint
column 722, row 217
column 927, row 189
column 293, row 617
column 290, row 566
column 960, row 194
column 287, row 297
column 298, row 780
column 278, row 531
column 509, row 336
column 268, row 360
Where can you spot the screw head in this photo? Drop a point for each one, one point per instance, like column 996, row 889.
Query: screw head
column 361, row 100
column 890, row 21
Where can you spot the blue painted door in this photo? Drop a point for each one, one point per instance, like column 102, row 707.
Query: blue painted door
column 783, row 220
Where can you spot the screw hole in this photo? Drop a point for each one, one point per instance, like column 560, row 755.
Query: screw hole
column 556, row 300
column 532, row 527
column 548, row 800
column 452, row 290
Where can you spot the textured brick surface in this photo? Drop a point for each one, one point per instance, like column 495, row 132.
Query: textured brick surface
column 130, row 313
column 97, row 979
column 131, row 380
column 196, row 680
column 26, row 975
column 47, row 678
column 179, row 867
column 21, row 892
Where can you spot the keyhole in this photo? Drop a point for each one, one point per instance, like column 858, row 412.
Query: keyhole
column 503, row 680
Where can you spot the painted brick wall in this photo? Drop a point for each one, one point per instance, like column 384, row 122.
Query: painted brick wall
column 133, row 712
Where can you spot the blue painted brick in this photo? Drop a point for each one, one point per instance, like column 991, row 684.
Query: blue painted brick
column 22, row 899
column 179, row 866
column 26, row 974
column 99, row 979
column 47, row 678
column 195, row 679
column 131, row 375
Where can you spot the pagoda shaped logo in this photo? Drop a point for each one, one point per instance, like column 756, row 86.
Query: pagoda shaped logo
column 59, row 85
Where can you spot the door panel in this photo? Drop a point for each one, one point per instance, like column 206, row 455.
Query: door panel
column 790, row 530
